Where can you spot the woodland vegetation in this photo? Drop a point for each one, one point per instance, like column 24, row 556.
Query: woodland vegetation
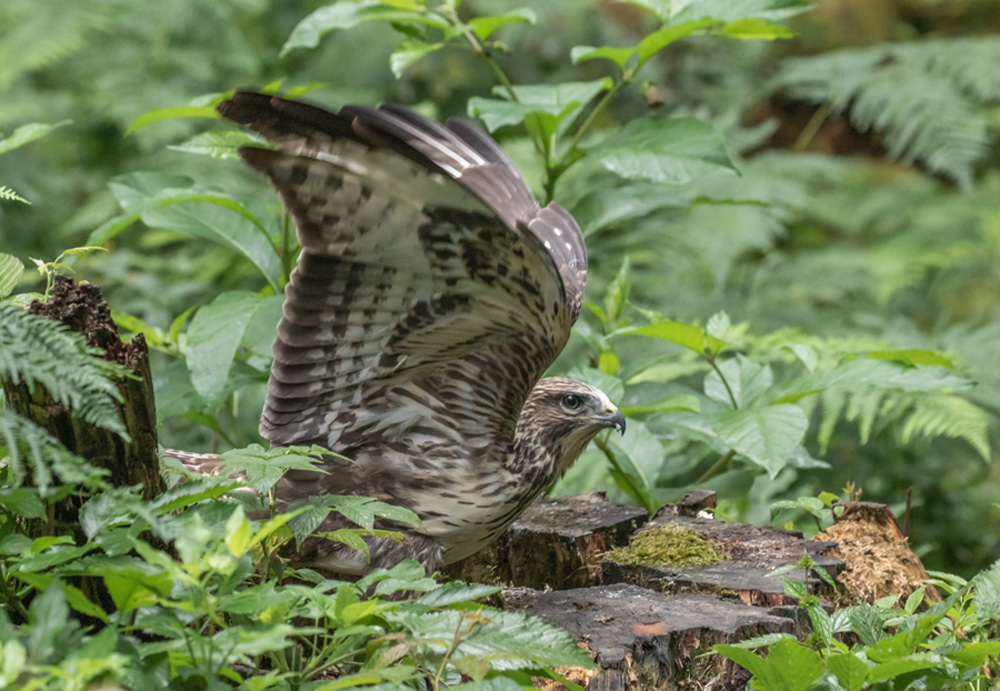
column 792, row 213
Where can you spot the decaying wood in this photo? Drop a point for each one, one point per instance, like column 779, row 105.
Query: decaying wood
column 752, row 552
column 647, row 640
column 557, row 543
column 82, row 308
column 878, row 557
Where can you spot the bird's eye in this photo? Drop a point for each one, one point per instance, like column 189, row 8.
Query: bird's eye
column 572, row 401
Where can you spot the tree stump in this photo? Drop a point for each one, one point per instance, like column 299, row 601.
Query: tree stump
column 647, row 640
column 752, row 553
column 557, row 543
column 82, row 308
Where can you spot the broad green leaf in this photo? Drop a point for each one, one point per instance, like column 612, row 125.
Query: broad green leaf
column 128, row 592
column 640, row 452
column 345, row 15
column 455, row 592
column 559, row 101
column 658, row 40
column 974, row 655
column 408, row 52
column 986, row 593
column 484, row 26
column 690, row 336
column 219, row 143
column 191, row 492
column 11, row 270
column 851, row 672
column 789, row 666
column 613, row 206
column 903, row 665
column 677, row 11
column 677, row 402
column 664, row 151
column 767, row 435
column 747, row 380
column 619, row 56
column 26, row 134
column 152, row 116
column 215, row 334
column 23, row 501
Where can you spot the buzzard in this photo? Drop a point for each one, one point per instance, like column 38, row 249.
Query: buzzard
column 431, row 293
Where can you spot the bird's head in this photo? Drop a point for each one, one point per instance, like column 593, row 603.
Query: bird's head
column 564, row 415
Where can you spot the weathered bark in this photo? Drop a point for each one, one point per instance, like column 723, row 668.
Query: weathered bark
column 647, row 640
column 82, row 308
column 556, row 543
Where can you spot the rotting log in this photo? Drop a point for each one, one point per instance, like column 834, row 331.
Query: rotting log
column 643, row 639
column 82, row 308
column 557, row 543
column 752, row 553
column 878, row 556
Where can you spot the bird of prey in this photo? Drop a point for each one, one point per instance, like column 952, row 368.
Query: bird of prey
column 431, row 293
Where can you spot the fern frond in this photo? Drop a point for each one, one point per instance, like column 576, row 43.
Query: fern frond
column 28, row 447
column 36, row 351
column 927, row 97
column 8, row 194
column 909, row 413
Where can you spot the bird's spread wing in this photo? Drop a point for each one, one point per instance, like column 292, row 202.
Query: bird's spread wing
column 432, row 291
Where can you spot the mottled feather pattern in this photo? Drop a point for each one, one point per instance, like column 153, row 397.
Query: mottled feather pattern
column 431, row 294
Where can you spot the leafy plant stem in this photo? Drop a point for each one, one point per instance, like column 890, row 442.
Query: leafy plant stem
column 717, row 467
column 8, row 596
column 601, row 442
column 729, row 391
column 808, row 132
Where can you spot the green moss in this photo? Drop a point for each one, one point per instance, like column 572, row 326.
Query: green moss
column 667, row 546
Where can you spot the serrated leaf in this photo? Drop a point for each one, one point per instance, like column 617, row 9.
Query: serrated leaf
column 23, row 501
column 767, row 435
column 664, row 151
column 11, row 270
column 789, row 666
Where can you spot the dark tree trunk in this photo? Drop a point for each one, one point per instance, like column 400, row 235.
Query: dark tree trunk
column 83, row 309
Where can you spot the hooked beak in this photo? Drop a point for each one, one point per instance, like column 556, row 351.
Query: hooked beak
column 615, row 419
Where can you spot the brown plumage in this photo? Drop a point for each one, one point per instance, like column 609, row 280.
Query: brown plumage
column 431, row 294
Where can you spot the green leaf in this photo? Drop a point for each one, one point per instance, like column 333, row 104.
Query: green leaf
column 23, row 501
column 609, row 384
column 753, row 29
column 484, row 26
column 619, row 56
column 677, row 402
column 191, row 492
column 26, row 134
column 559, row 102
column 215, row 334
column 220, row 143
column 914, row 357
column 7, row 194
column 152, row 116
column 691, row 336
column 747, row 381
column 617, row 293
column 851, row 672
column 767, row 435
column 408, row 52
column 658, row 40
column 790, row 666
column 11, row 270
column 345, row 15
column 507, row 640
column 264, row 467
column 986, row 593
column 455, row 592
column 664, row 151
column 238, row 533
